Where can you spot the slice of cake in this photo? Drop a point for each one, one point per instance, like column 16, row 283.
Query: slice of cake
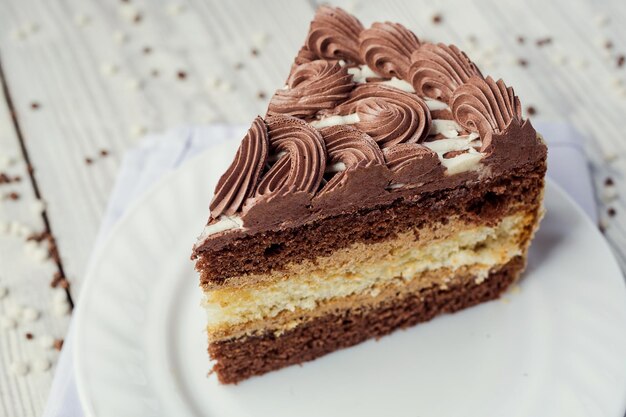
column 389, row 182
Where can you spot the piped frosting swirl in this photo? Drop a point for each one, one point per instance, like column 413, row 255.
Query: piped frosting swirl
column 410, row 162
column 390, row 116
column 437, row 70
column 350, row 147
column 300, row 166
column 240, row 179
column 387, row 47
column 334, row 34
column 312, row 87
column 485, row 106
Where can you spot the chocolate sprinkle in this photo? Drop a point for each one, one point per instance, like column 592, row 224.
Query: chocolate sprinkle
column 522, row 62
column 437, row 19
column 609, row 182
column 543, row 41
column 611, row 212
column 104, row 152
column 147, row 50
column 34, row 105
column 531, row 110
column 261, row 95
column 254, row 52
column 521, row 40
column 181, row 75
column 620, row 61
column 13, row 196
column 58, row 344
column 88, row 161
column 29, row 336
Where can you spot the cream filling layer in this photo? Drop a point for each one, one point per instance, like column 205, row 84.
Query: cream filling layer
column 481, row 247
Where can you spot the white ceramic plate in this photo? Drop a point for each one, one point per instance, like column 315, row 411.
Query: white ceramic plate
column 555, row 347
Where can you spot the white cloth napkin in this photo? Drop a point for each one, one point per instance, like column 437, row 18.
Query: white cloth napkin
column 158, row 154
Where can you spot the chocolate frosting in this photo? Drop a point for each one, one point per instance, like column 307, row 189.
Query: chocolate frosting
column 437, row 70
column 412, row 163
column 334, row 34
column 312, row 87
column 381, row 154
column 240, row 179
column 287, row 187
column 388, row 115
column 485, row 106
column 387, row 47
column 364, row 175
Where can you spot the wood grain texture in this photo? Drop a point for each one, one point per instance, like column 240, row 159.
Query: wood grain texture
column 105, row 71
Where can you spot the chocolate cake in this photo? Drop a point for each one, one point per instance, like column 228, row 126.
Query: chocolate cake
column 390, row 181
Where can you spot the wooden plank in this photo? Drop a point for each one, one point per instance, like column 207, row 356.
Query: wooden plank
column 26, row 275
column 66, row 66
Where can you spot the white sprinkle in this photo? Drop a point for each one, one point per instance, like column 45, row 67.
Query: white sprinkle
column 226, row 86
column 41, row 364
column 559, row 59
column 120, row 37
column 46, row 341
column 31, row 27
column 14, row 228
column 36, row 251
column 581, row 63
column 601, row 20
column 37, row 206
column 609, row 193
column 133, row 84
column 4, row 228
column 29, row 314
column 610, row 156
column 61, row 309
column 174, row 9
column 24, row 231
column 108, row 68
column 18, row 34
column 213, row 82
column 137, row 130
column 4, row 291
column 13, row 311
column 6, row 161
column 82, row 19
column 59, row 297
column 260, row 39
column 616, row 81
column 128, row 11
column 19, row 368
column 7, row 323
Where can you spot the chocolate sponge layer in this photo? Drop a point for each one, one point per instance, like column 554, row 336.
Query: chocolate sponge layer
column 241, row 358
column 482, row 202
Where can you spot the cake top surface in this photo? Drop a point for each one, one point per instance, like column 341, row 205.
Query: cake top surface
column 368, row 115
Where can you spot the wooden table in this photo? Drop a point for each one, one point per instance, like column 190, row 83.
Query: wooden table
column 82, row 80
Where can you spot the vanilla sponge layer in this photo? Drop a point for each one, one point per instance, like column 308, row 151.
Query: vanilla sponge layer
column 366, row 269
